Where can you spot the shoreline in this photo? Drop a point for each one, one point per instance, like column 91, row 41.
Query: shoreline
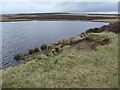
column 27, row 52
column 87, row 16
column 91, row 60
column 59, row 17
column 63, row 42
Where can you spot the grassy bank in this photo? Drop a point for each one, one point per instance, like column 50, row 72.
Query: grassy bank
column 73, row 66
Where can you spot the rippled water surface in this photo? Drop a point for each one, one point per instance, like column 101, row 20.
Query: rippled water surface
column 18, row 37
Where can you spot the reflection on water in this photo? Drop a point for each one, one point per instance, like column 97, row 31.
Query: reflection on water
column 18, row 37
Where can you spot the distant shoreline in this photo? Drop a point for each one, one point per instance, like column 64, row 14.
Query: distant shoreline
column 59, row 17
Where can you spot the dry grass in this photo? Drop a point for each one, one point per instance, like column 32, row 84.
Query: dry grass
column 95, row 69
column 58, row 17
column 106, row 20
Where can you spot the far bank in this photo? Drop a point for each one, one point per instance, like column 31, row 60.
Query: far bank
column 59, row 17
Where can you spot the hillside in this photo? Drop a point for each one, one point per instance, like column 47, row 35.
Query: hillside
column 91, row 62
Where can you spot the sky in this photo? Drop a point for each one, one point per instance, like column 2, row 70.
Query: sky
column 48, row 7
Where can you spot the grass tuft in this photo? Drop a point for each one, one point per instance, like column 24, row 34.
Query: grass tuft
column 18, row 57
column 31, row 51
column 37, row 49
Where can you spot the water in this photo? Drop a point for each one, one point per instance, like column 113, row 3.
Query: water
column 19, row 37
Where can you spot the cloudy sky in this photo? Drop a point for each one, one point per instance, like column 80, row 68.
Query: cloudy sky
column 46, row 7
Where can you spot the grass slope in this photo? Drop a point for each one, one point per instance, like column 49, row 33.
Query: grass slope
column 80, row 69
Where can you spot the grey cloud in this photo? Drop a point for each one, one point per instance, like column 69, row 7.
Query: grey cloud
column 59, row 7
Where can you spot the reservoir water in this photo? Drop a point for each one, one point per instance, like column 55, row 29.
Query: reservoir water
column 19, row 37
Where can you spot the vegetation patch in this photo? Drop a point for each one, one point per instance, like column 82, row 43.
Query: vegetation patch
column 43, row 47
column 31, row 51
column 37, row 49
column 18, row 57
column 71, row 68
